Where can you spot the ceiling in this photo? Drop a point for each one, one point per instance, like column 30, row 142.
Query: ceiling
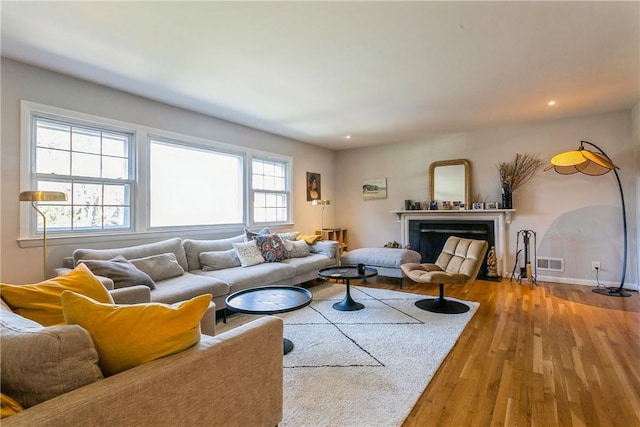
column 382, row 72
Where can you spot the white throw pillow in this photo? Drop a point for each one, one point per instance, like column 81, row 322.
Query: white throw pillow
column 297, row 248
column 248, row 253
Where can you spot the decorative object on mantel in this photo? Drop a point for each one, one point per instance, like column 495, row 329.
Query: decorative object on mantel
column 594, row 164
column 515, row 174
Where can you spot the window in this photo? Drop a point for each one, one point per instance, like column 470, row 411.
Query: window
column 92, row 165
column 270, row 187
column 126, row 178
column 191, row 186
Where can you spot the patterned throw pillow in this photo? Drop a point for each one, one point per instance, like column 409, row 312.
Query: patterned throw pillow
column 248, row 253
column 271, row 247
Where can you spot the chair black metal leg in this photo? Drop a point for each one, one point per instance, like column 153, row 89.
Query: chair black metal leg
column 441, row 305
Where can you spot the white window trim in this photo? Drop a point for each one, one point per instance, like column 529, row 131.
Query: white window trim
column 141, row 137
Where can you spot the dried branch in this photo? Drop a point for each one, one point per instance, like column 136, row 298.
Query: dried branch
column 517, row 173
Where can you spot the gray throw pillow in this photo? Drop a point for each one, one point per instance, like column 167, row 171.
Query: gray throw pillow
column 289, row 235
column 121, row 271
column 297, row 248
column 159, row 267
column 249, row 235
column 39, row 363
column 219, row 260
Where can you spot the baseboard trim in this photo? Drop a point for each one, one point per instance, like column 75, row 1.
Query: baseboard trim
column 584, row 282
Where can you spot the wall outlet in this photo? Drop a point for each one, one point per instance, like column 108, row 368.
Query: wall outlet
column 595, row 265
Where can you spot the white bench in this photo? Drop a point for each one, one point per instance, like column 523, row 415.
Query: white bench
column 386, row 260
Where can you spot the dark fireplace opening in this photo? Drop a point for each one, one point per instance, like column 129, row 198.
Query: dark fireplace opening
column 429, row 236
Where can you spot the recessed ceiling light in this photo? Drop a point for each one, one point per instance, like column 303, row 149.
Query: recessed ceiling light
column 347, row 137
column 551, row 103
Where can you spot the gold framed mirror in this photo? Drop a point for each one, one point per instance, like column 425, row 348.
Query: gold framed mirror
column 450, row 180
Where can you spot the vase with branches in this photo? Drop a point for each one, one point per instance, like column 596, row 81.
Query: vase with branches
column 515, row 174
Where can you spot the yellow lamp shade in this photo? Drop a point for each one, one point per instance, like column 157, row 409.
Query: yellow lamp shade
column 583, row 161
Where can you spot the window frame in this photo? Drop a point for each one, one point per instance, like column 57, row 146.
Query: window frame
column 287, row 162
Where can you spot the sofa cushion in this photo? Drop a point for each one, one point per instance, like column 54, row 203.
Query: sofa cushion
column 217, row 260
column 41, row 302
column 129, row 335
column 159, row 267
column 123, row 273
column 313, row 262
column 133, row 252
column 297, row 248
column 193, row 248
column 188, row 286
column 39, row 363
column 271, row 247
column 240, row 278
column 248, row 253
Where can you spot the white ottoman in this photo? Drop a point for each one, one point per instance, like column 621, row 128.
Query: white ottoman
column 386, row 260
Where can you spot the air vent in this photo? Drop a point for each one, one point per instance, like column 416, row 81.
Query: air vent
column 551, row 264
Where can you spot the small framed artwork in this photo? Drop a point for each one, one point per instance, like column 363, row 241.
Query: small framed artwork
column 313, row 186
column 478, row 206
column 491, row 205
column 375, row 188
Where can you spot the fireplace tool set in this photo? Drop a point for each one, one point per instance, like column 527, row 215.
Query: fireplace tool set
column 522, row 268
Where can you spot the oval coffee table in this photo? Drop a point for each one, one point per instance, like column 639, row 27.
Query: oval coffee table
column 347, row 273
column 270, row 300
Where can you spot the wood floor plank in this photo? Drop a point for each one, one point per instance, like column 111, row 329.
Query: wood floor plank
column 545, row 355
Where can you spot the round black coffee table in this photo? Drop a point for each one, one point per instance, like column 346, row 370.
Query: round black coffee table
column 347, row 273
column 270, row 300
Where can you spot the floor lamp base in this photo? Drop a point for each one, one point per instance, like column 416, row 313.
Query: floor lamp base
column 611, row 292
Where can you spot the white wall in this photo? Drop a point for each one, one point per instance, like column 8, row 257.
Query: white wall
column 575, row 217
column 24, row 82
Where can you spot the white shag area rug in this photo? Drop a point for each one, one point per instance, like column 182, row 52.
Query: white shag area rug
column 360, row 368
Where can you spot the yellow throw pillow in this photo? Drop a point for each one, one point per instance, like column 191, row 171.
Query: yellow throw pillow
column 129, row 335
column 9, row 406
column 41, row 302
column 309, row 238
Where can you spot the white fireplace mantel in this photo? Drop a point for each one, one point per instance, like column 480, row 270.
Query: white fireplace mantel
column 500, row 218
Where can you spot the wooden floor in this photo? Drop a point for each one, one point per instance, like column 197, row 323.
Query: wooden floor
column 547, row 355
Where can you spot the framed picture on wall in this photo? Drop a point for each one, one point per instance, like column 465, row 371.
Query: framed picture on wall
column 375, row 188
column 313, row 186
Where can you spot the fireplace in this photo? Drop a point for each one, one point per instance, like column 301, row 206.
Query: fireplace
column 490, row 225
column 429, row 236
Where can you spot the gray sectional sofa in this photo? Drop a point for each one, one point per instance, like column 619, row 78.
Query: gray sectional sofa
column 178, row 274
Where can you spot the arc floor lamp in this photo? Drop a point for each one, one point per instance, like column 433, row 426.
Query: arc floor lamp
column 594, row 164
column 43, row 196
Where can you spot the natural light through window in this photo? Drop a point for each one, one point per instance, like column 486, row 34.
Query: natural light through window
column 270, row 191
column 191, row 186
column 90, row 165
